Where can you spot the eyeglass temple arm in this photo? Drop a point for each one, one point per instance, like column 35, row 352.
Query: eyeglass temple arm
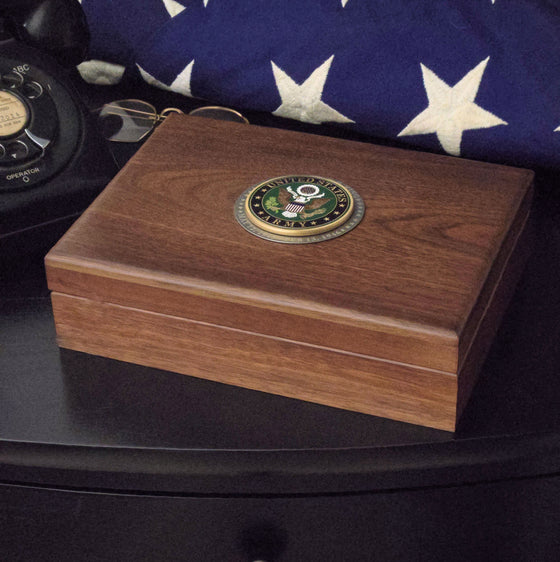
column 158, row 116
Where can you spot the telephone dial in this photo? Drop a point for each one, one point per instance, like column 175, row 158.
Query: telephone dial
column 53, row 161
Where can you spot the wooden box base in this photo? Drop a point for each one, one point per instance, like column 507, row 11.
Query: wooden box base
column 394, row 318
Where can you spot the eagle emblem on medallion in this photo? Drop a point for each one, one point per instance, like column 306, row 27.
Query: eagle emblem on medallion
column 298, row 207
column 306, row 196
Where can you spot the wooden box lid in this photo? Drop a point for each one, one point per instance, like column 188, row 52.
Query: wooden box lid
column 408, row 289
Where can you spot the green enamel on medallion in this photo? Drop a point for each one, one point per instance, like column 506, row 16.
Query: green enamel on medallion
column 298, row 209
column 299, row 205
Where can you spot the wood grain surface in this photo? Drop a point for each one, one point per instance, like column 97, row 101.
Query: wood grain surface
column 274, row 365
column 410, row 286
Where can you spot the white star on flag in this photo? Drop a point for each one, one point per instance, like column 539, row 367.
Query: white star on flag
column 173, row 7
column 181, row 84
column 451, row 110
column 303, row 101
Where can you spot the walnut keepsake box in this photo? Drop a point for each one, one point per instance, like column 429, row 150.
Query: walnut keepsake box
column 361, row 277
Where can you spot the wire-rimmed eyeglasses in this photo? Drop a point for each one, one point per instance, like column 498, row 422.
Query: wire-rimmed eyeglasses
column 133, row 120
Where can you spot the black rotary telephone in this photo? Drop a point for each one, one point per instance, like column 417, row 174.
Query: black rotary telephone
column 52, row 160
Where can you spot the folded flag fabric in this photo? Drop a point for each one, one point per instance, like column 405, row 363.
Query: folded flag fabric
column 471, row 78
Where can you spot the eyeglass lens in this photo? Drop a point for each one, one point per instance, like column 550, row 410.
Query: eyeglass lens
column 220, row 113
column 127, row 120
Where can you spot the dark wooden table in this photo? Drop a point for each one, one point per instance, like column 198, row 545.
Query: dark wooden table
column 107, row 460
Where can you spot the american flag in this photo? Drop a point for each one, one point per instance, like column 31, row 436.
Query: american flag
column 471, row 78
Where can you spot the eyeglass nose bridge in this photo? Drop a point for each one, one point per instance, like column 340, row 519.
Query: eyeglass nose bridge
column 167, row 111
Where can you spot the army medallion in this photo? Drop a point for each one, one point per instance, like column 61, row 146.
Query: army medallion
column 299, row 209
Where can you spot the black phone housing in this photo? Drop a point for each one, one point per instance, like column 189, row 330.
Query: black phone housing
column 68, row 162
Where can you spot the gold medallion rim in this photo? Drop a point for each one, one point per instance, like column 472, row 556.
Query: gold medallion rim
column 311, row 231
